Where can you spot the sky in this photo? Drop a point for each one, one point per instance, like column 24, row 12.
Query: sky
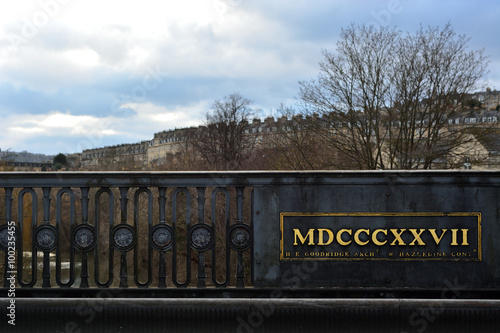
column 77, row 74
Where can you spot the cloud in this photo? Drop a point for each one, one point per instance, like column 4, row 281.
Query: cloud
column 72, row 132
column 100, row 73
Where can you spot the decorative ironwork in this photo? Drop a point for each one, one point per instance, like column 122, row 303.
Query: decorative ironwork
column 201, row 237
column 84, row 237
column 123, row 237
column 240, row 237
column 46, row 238
column 4, row 237
column 242, row 205
column 161, row 237
column 68, row 233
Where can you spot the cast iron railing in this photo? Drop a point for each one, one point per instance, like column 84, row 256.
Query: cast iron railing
column 153, row 249
column 126, row 230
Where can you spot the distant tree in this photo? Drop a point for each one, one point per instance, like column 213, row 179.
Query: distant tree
column 186, row 157
column 74, row 161
column 6, row 156
column 225, row 142
column 295, row 144
column 385, row 97
column 59, row 161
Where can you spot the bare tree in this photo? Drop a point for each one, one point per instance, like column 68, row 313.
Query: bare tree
column 185, row 157
column 298, row 143
column 226, row 140
column 351, row 92
column 386, row 97
column 434, row 73
column 6, row 159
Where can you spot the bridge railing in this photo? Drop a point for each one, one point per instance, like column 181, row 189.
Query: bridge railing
column 310, row 234
column 126, row 230
column 243, row 251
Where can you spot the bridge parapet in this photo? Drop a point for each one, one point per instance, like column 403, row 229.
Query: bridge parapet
column 126, row 230
column 269, row 235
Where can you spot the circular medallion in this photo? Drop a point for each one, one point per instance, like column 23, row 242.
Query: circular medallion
column 5, row 234
column 239, row 235
column 123, row 237
column 161, row 237
column 84, row 237
column 46, row 238
column 201, row 237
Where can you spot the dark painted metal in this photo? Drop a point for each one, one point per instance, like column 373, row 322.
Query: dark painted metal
column 255, row 234
column 59, row 223
column 84, row 237
column 125, row 234
column 46, row 237
column 254, row 315
column 124, row 238
column 164, row 238
column 240, row 236
column 252, row 215
column 88, row 244
column 201, row 251
column 201, row 237
column 240, row 273
column 235, row 178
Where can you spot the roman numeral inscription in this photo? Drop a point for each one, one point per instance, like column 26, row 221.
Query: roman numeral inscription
column 380, row 236
column 327, row 236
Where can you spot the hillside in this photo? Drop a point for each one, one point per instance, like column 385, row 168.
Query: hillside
column 25, row 156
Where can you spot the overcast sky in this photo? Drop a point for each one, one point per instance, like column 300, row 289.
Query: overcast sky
column 80, row 74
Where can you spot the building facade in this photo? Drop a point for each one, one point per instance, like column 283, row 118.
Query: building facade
column 160, row 151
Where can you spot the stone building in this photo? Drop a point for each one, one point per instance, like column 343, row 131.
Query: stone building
column 30, row 166
column 169, row 143
column 168, row 146
column 490, row 99
column 122, row 157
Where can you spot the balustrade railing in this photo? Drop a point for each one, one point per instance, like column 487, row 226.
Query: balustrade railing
column 126, row 230
column 192, row 234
